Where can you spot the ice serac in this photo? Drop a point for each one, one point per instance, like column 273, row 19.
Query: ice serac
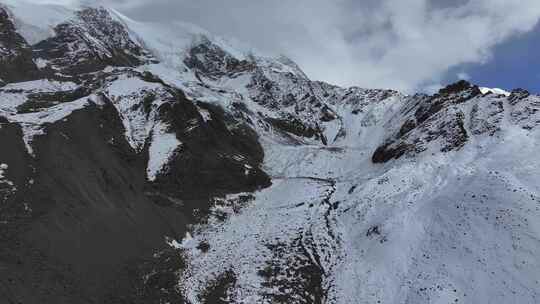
column 144, row 163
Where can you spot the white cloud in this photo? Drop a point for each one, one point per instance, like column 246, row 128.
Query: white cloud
column 463, row 76
column 54, row 2
column 372, row 43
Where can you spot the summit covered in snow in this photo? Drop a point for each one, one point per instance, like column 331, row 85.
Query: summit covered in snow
column 144, row 163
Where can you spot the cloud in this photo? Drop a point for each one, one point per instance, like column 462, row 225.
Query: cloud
column 30, row 2
column 463, row 76
column 407, row 45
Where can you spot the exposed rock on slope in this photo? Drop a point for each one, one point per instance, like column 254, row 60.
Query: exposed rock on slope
column 431, row 118
column 82, row 207
column 15, row 53
column 143, row 164
column 89, row 42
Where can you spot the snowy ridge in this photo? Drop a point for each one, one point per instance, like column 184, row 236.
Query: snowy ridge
column 170, row 43
column 498, row 91
column 376, row 197
column 138, row 102
column 37, row 22
column 33, row 123
column 14, row 95
column 34, row 120
column 127, row 93
column 435, row 228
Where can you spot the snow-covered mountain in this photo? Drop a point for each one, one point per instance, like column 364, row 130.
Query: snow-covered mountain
column 143, row 163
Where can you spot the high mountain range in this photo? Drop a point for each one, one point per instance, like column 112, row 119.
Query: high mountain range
column 151, row 163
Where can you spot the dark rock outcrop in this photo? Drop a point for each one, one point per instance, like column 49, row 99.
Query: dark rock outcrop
column 16, row 62
column 86, row 219
column 218, row 156
column 429, row 119
column 90, row 42
column 213, row 62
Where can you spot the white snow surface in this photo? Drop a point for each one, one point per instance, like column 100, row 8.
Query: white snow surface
column 3, row 168
column 458, row 226
column 455, row 227
column 128, row 92
column 6, row 186
column 170, row 42
column 498, row 91
column 15, row 94
column 36, row 21
column 138, row 103
column 163, row 146
column 33, row 124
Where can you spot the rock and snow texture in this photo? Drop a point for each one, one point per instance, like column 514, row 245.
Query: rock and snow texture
column 376, row 197
column 37, row 23
column 437, row 227
column 20, row 105
column 136, row 101
column 162, row 148
column 6, row 186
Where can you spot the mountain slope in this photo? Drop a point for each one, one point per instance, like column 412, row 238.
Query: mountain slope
column 146, row 164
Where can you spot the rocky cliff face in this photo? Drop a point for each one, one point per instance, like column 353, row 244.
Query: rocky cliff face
column 89, row 42
column 146, row 165
column 15, row 53
column 101, row 165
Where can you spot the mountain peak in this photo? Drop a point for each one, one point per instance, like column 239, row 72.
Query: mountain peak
column 459, row 86
column 157, row 163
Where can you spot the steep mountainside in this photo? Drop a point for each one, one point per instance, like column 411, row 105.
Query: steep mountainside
column 148, row 164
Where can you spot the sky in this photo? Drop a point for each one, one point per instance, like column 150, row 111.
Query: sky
column 514, row 64
column 409, row 45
